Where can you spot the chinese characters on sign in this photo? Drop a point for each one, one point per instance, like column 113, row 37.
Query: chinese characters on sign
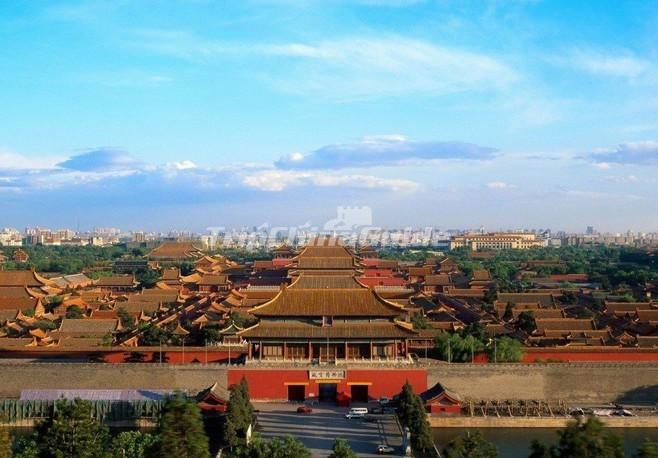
column 326, row 374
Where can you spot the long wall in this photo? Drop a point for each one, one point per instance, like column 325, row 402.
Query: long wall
column 573, row 382
column 17, row 376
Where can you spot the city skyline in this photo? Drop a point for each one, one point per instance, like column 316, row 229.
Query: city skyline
column 523, row 114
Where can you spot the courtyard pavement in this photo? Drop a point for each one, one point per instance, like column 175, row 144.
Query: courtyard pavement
column 327, row 422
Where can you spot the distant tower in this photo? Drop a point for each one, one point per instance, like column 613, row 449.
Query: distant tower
column 590, row 230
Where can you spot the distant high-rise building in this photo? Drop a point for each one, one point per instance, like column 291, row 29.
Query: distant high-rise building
column 590, row 230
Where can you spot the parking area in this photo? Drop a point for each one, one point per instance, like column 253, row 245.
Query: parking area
column 327, row 422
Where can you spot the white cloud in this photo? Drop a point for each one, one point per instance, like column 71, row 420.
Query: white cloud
column 383, row 150
column 622, row 64
column 499, row 185
column 278, row 180
column 622, row 178
column 13, row 161
column 349, row 67
column 107, row 165
column 363, row 67
column 631, row 153
column 101, row 160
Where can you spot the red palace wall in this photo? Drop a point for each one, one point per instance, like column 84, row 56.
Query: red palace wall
column 191, row 355
column 272, row 384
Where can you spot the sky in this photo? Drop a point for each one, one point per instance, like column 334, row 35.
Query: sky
column 185, row 114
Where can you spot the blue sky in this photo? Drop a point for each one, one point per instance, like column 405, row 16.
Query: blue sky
column 192, row 113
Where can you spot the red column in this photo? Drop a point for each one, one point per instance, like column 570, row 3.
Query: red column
column 285, row 351
column 346, row 349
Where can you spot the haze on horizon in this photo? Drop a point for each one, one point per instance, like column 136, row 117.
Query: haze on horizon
column 188, row 114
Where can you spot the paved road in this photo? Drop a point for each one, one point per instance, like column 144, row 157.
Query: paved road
column 318, row 430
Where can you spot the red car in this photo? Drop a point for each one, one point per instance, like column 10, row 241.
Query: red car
column 304, row 409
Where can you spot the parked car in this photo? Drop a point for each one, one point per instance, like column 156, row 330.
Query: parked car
column 304, row 409
column 384, row 449
column 351, row 415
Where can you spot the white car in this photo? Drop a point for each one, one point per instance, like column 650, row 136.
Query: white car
column 351, row 416
column 384, row 449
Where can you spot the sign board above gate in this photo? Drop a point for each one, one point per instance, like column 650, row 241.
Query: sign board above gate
column 326, row 374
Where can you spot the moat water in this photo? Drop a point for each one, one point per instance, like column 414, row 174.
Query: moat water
column 515, row 442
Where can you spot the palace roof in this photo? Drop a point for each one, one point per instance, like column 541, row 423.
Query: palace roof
column 325, row 253
column 358, row 301
column 124, row 281
column 420, row 271
column 438, row 280
column 85, row 327
column 539, row 313
column 564, row 324
column 298, row 329
column 16, row 291
column 16, row 303
column 545, row 300
column 621, row 308
column 481, row 275
column 172, row 274
column 325, row 282
column 176, row 250
column 213, row 280
column 24, row 278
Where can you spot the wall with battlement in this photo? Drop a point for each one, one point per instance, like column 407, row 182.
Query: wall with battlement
column 18, row 376
column 573, row 382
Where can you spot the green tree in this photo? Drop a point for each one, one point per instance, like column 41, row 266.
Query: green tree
column 582, row 439
column 242, row 320
column 273, row 448
column 505, row 350
column 133, row 444
column 26, row 447
column 455, row 348
column 471, row 445
column 342, row 449
column 154, row 335
column 147, row 278
column 287, row 448
column 5, row 442
column 74, row 312
column 526, row 322
column 181, row 430
column 648, row 449
column 72, row 432
column 239, row 414
column 230, row 436
column 420, row 322
column 210, row 334
column 412, row 414
column 127, row 320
